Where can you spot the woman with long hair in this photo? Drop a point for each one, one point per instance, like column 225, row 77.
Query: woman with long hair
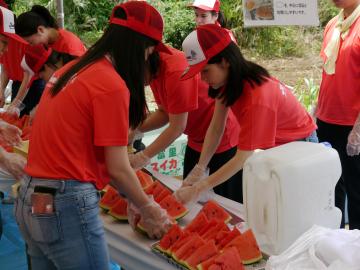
column 79, row 142
column 266, row 110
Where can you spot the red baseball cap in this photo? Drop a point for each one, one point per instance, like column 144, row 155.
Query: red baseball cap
column 201, row 45
column 7, row 25
column 142, row 18
column 208, row 5
column 34, row 59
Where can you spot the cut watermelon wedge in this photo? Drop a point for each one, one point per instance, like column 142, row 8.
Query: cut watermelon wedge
column 109, row 199
column 229, row 260
column 213, row 210
column 174, row 208
column 201, row 254
column 170, row 238
column 119, row 210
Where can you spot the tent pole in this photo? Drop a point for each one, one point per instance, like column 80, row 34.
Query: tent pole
column 60, row 13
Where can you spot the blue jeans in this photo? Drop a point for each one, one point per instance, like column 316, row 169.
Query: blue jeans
column 73, row 236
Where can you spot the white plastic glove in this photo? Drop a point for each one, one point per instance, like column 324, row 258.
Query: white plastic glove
column 9, row 134
column 151, row 216
column 15, row 108
column 353, row 145
column 134, row 134
column 189, row 194
column 138, row 160
column 196, row 174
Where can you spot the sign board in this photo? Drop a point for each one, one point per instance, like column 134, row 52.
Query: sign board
column 280, row 12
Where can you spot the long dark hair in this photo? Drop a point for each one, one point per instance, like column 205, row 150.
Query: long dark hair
column 240, row 71
column 221, row 18
column 126, row 49
column 28, row 22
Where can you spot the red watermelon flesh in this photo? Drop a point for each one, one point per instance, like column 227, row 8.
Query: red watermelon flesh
column 212, row 223
column 181, row 241
column 233, row 234
column 247, row 247
column 145, row 179
column 206, row 264
column 213, row 210
column 199, row 222
column 220, row 236
column 174, row 208
column 202, row 254
column 170, row 238
column 156, row 186
column 109, row 199
column 159, row 197
column 229, row 260
column 119, row 209
column 211, row 234
column 188, row 248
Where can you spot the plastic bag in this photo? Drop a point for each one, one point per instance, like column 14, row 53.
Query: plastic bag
column 320, row 249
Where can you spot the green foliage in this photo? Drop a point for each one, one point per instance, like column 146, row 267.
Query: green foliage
column 179, row 20
column 307, row 95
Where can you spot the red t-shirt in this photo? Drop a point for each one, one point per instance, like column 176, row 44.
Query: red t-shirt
column 190, row 96
column 174, row 95
column 270, row 115
column 339, row 97
column 71, row 129
column 11, row 59
column 199, row 121
column 68, row 43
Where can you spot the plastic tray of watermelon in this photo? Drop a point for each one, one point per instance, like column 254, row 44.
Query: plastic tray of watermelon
column 260, row 265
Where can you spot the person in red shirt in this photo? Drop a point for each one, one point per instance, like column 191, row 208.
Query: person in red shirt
column 208, row 12
column 79, row 142
column 187, row 108
column 338, row 110
column 37, row 26
column 266, row 110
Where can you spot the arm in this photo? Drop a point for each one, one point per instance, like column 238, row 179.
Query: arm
column 9, row 134
column 177, row 125
column 214, row 133
column 23, row 90
column 4, row 80
column 154, row 219
column 192, row 193
column 353, row 145
column 155, row 120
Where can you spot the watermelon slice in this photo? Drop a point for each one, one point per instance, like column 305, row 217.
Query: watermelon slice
column 119, row 209
column 229, row 260
column 199, row 222
column 186, row 250
column 211, row 233
column 109, row 199
column 174, row 208
column 213, row 210
column 212, row 223
column 247, row 247
column 200, row 255
column 170, row 238
column 145, row 179
column 181, row 241
column 224, row 241
column 159, row 197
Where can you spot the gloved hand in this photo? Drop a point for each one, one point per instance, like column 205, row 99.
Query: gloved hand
column 133, row 215
column 353, row 145
column 15, row 108
column 14, row 164
column 138, row 160
column 197, row 173
column 154, row 219
column 9, row 134
column 189, row 194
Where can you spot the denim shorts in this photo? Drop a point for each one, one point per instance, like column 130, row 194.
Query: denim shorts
column 72, row 237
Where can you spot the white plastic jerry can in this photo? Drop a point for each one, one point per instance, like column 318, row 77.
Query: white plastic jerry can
column 289, row 188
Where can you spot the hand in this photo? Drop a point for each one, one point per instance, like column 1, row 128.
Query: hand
column 134, row 134
column 133, row 215
column 138, row 160
column 188, row 194
column 353, row 145
column 154, row 219
column 14, row 164
column 197, row 173
column 15, row 108
column 9, row 134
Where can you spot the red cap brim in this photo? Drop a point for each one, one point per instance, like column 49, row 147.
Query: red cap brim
column 191, row 71
column 161, row 47
column 15, row 37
